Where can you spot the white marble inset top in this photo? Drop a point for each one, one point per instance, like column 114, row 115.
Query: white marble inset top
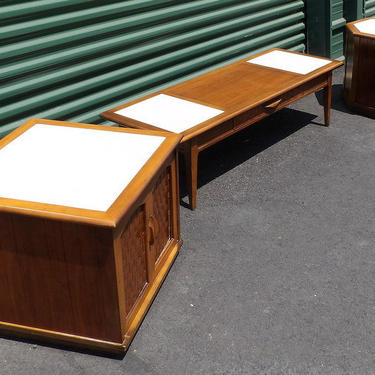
column 169, row 113
column 367, row 26
column 74, row 167
column 290, row 62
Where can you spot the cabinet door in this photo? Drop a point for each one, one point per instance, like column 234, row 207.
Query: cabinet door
column 159, row 220
column 146, row 248
column 133, row 243
column 144, row 240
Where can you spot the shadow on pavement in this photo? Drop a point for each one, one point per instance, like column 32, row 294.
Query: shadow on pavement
column 35, row 343
column 338, row 103
column 235, row 150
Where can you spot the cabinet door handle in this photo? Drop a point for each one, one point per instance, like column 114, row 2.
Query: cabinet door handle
column 151, row 231
column 273, row 105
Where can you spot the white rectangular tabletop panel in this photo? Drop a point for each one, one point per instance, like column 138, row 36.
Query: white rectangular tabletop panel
column 367, row 26
column 290, row 62
column 75, row 167
column 169, row 113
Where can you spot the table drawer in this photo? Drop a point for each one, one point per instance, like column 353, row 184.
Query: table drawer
column 303, row 90
column 249, row 117
column 275, row 104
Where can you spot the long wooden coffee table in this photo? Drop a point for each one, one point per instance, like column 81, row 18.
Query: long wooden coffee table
column 213, row 106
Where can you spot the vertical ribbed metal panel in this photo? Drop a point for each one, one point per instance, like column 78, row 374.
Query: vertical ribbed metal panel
column 326, row 27
column 72, row 59
column 338, row 23
column 353, row 10
column 369, row 8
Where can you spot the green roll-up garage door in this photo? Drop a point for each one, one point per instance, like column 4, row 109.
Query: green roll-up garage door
column 369, row 6
column 338, row 23
column 71, row 59
column 326, row 27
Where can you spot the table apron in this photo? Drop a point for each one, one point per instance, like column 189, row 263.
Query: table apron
column 253, row 115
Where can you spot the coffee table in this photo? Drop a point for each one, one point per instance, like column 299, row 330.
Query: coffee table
column 213, row 106
column 89, row 227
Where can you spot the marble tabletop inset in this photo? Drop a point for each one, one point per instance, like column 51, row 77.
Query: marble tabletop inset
column 289, row 61
column 74, row 167
column 367, row 26
column 169, row 113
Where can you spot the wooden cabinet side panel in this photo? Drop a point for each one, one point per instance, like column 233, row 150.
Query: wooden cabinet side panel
column 92, row 279
column 58, row 276
column 366, row 78
column 349, row 62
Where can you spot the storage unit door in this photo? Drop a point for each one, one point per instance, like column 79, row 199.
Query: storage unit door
column 72, row 59
column 161, row 215
column 369, row 8
column 338, row 23
column 326, row 27
column 133, row 249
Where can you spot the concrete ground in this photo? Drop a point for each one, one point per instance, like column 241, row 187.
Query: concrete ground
column 277, row 271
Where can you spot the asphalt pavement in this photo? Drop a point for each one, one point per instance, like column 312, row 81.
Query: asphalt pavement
column 277, row 271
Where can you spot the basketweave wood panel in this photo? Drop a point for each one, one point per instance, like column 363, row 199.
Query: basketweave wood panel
column 161, row 196
column 133, row 245
column 58, row 276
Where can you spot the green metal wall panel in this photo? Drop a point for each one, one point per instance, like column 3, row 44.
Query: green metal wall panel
column 353, row 10
column 369, row 8
column 72, row 59
column 338, row 23
column 326, row 28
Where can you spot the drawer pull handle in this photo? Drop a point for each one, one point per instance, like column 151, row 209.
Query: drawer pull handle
column 273, row 105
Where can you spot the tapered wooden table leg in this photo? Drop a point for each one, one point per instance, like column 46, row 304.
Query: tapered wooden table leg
column 191, row 164
column 328, row 100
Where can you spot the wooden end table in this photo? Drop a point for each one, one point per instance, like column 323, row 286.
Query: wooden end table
column 213, row 106
column 89, row 226
column 359, row 81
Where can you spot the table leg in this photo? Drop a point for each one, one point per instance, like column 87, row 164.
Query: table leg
column 328, row 100
column 191, row 166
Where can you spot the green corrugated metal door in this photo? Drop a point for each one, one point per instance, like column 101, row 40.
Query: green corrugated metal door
column 72, row 59
column 338, row 23
column 325, row 28
column 369, row 8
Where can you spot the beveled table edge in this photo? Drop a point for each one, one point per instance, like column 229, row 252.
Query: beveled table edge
column 351, row 27
column 127, row 197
